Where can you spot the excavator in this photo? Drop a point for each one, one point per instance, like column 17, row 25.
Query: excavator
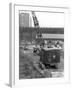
column 48, row 56
column 38, row 33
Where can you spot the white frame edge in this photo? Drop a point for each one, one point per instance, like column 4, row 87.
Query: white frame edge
column 11, row 46
column 12, row 43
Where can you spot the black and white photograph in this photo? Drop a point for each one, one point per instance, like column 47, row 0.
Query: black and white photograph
column 41, row 44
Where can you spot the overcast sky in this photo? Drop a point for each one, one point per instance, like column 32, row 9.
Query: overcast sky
column 47, row 19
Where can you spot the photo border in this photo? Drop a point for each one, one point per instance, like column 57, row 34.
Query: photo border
column 13, row 80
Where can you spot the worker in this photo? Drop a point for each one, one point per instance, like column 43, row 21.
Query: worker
column 49, row 44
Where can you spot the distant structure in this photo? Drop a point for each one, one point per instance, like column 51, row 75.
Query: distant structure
column 25, row 20
column 37, row 33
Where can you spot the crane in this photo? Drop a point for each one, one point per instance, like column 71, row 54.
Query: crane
column 36, row 25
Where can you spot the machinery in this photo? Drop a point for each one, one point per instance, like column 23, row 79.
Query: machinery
column 48, row 56
column 36, row 25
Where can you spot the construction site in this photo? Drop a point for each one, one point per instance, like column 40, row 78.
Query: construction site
column 41, row 49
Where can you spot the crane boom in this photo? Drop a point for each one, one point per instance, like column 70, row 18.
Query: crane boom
column 36, row 24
